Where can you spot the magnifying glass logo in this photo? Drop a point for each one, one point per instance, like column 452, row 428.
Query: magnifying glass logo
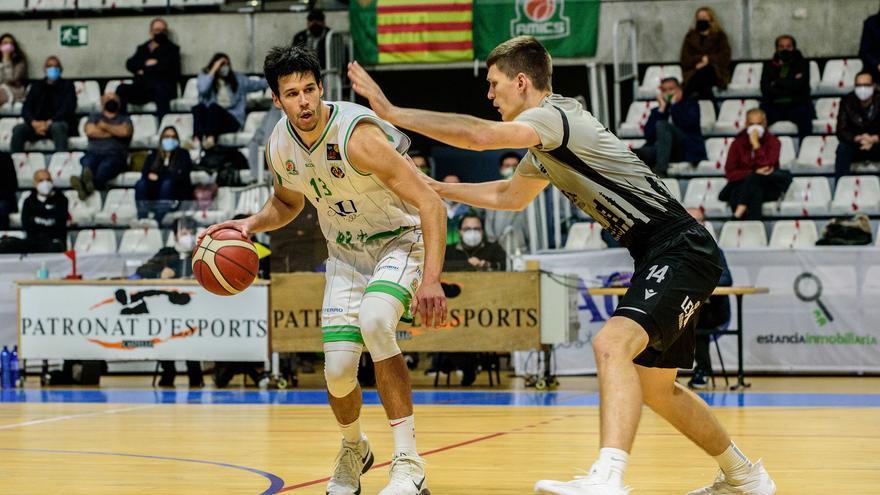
column 808, row 288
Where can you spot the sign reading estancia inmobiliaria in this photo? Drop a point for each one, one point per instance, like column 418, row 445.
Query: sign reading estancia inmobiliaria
column 165, row 321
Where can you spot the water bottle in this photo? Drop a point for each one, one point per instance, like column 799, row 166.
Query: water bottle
column 5, row 368
column 518, row 264
column 43, row 272
column 13, row 367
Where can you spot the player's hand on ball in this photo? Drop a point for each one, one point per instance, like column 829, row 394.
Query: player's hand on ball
column 239, row 225
column 365, row 86
column 430, row 302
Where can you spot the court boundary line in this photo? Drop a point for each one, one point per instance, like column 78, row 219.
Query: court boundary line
column 66, row 417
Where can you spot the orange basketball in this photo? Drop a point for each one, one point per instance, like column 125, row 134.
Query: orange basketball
column 225, row 262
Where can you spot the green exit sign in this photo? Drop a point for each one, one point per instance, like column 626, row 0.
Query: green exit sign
column 74, row 35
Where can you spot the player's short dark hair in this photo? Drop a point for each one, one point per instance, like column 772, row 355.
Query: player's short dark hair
column 671, row 79
column 285, row 60
column 524, row 54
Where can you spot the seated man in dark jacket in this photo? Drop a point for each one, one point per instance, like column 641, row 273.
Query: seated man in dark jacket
column 673, row 130
column 473, row 252
column 48, row 110
column 44, row 216
column 156, row 69
column 785, row 86
column 858, row 125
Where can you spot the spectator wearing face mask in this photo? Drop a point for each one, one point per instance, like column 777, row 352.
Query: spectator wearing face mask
column 752, row 169
column 454, row 213
column 13, row 70
column 222, row 100
column 507, row 228
column 109, row 132
column 48, row 110
column 858, row 125
column 785, row 87
column 705, row 56
column 44, row 216
column 473, row 251
column 156, row 68
column 672, row 132
column 314, row 35
column 165, row 177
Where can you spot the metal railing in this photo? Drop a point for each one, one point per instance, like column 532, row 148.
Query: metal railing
column 624, row 53
column 337, row 55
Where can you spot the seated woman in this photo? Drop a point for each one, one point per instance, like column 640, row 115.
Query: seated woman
column 13, row 71
column 222, row 100
column 165, row 177
column 705, row 56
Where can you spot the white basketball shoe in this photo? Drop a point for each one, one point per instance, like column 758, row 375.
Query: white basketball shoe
column 758, row 482
column 407, row 476
column 591, row 484
column 353, row 460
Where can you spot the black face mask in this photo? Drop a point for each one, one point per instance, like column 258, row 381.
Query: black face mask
column 160, row 38
column 316, row 29
column 786, row 56
column 112, row 106
column 702, row 25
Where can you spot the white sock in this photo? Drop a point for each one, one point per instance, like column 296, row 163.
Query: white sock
column 734, row 463
column 404, row 430
column 611, row 465
column 352, row 431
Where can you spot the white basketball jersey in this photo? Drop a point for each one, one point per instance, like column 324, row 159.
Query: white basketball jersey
column 354, row 207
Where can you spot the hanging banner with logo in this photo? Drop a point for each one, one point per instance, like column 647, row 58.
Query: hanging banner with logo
column 821, row 314
column 488, row 312
column 568, row 28
column 141, row 320
column 411, row 31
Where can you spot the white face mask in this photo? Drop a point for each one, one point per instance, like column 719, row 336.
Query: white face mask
column 185, row 243
column 471, row 238
column 755, row 128
column 44, row 187
column 864, row 92
column 508, row 172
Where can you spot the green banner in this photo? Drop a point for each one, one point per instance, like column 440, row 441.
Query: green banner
column 568, row 28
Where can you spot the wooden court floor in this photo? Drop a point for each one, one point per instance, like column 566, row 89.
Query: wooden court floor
column 138, row 441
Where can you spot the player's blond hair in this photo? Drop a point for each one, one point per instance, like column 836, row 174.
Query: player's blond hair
column 526, row 55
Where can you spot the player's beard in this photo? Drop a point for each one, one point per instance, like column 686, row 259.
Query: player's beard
column 315, row 119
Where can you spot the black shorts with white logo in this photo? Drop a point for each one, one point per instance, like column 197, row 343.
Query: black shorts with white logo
column 672, row 280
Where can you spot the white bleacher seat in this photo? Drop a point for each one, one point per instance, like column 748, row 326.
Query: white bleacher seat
column 219, row 211
column 707, row 116
column 839, row 76
column 585, row 235
column 784, row 128
column 91, row 4
column 786, row 151
column 826, row 115
column 189, row 98
column 125, row 4
column 114, row 83
column 80, row 142
column 11, row 108
column 146, row 241
column 126, row 179
column 636, row 117
column 144, row 129
column 743, row 234
column 732, row 117
column 82, row 212
column 95, row 241
column 674, row 188
column 817, row 155
column 805, row 197
column 15, row 218
column 711, row 228
column 6, row 126
column 703, row 193
column 63, row 165
column 259, row 98
column 856, row 194
column 746, row 80
column 45, row 5
column 815, row 76
column 716, row 153
column 183, row 122
column 794, row 233
column 633, row 143
column 251, row 125
column 119, row 208
column 12, row 6
column 198, row 177
column 252, row 200
column 88, row 96
column 12, row 233
column 651, row 80
column 25, row 166
column 41, row 145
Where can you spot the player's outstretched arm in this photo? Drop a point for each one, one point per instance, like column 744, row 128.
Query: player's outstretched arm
column 281, row 208
column 369, row 151
column 461, row 131
column 513, row 194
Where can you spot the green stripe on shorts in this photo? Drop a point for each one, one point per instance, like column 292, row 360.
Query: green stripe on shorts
column 342, row 333
column 398, row 291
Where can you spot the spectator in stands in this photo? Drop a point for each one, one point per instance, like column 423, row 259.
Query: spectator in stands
column 222, row 100
column 421, row 161
column 48, row 110
column 474, row 252
column 672, row 132
column 858, row 125
column 109, row 132
column 713, row 316
column 44, row 216
column 314, row 35
column 507, row 228
column 785, row 87
column 869, row 47
column 705, row 56
column 165, row 177
column 752, row 169
column 13, row 70
column 8, row 187
column 156, row 68
column 454, row 213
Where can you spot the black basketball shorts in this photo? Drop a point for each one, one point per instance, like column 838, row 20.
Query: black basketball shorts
column 670, row 284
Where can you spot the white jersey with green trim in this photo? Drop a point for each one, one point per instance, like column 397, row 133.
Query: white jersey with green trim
column 354, row 207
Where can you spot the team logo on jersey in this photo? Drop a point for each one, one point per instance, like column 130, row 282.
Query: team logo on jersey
column 333, row 152
column 345, row 208
column 337, row 171
column 414, row 285
column 291, row 167
column 543, row 19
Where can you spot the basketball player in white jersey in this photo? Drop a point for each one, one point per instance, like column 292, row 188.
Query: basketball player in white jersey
column 677, row 264
column 386, row 232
